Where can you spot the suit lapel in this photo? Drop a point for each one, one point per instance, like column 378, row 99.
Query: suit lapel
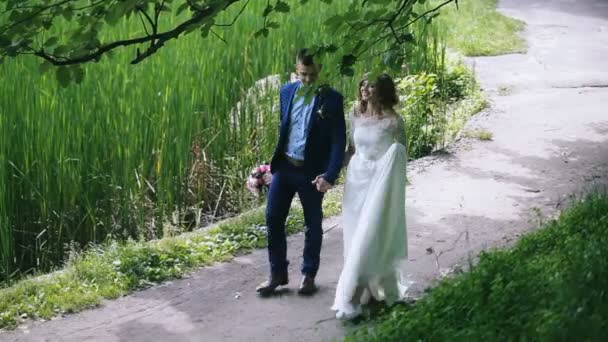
column 291, row 94
column 313, row 114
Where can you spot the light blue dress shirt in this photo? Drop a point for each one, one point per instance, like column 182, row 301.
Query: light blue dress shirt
column 298, row 126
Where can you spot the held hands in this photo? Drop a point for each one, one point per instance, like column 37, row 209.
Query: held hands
column 321, row 184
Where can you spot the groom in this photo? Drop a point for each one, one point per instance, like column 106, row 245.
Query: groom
column 307, row 160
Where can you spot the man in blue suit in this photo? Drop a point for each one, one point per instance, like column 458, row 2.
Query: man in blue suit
column 307, row 160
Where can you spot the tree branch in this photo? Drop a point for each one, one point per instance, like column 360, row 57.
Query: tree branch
column 218, row 36
column 145, row 14
column 425, row 14
column 158, row 9
column 41, row 8
column 143, row 23
column 157, row 40
column 394, row 31
column 36, row 13
column 236, row 17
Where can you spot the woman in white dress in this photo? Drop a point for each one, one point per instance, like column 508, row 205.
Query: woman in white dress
column 373, row 208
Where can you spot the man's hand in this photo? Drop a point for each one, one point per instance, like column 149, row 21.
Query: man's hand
column 267, row 177
column 321, row 183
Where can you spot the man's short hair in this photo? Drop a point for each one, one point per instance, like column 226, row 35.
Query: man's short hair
column 302, row 57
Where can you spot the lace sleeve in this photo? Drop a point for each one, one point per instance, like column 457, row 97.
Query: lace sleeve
column 400, row 136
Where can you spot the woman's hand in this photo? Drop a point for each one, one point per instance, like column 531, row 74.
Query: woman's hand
column 321, row 184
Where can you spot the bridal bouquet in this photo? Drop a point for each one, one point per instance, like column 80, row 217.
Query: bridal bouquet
column 259, row 180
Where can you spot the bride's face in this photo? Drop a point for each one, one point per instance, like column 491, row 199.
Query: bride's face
column 366, row 90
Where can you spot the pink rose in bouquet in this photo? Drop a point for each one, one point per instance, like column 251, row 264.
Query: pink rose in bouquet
column 259, row 180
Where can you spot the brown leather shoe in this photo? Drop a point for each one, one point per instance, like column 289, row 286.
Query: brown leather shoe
column 266, row 288
column 307, row 286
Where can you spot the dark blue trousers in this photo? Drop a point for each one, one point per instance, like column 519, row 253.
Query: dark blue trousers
column 286, row 182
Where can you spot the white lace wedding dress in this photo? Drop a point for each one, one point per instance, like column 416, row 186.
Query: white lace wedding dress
column 373, row 215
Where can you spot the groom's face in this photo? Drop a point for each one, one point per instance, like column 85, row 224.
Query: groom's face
column 308, row 74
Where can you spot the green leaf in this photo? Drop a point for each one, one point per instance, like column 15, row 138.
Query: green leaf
column 273, row 25
column 348, row 60
column 68, row 14
column 281, row 7
column 375, row 14
column 205, row 31
column 407, row 38
column 347, row 71
column 182, row 8
column 64, row 76
column 116, row 12
column 45, row 67
column 331, row 48
column 358, row 46
column 267, row 10
column 4, row 41
column 379, row 2
column 51, row 42
column 61, row 50
column 47, row 23
column 78, row 74
column 12, row 51
column 263, row 32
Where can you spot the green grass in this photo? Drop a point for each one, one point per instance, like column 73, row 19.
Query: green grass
column 484, row 135
column 477, row 29
column 551, row 286
column 480, row 134
column 114, row 269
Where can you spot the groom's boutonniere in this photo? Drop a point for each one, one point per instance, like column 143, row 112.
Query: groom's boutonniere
column 321, row 92
column 321, row 111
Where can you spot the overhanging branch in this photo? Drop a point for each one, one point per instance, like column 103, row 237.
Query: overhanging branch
column 157, row 41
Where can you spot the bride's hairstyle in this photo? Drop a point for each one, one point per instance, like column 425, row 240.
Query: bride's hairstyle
column 385, row 92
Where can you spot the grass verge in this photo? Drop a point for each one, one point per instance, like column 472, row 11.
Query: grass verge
column 476, row 28
column 115, row 269
column 552, row 285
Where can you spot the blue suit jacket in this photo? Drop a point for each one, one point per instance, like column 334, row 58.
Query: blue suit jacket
column 326, row 140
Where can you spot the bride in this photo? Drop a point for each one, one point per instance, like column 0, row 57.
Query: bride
column 373, row 209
